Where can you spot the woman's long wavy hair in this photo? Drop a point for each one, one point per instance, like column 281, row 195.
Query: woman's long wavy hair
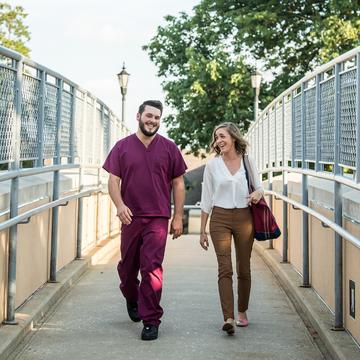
column 240, row 143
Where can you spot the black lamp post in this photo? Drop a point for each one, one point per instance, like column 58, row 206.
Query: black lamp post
column 123, row 77
column 255, row 83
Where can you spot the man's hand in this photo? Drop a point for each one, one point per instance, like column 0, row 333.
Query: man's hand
column 124, row 214
column 176, row 227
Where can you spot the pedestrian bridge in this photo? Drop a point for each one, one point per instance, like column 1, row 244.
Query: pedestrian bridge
column 59, row 236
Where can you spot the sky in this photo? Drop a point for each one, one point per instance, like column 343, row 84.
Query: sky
column 87, row 41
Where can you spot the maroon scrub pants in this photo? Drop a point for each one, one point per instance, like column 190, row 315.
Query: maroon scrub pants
column 143, row 248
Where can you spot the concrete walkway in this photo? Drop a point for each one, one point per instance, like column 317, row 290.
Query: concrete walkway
column 91, row 322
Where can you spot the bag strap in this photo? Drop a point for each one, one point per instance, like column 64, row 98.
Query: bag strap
column 248, row 177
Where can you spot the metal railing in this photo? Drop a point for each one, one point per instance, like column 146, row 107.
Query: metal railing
column 52, row 124
column 313, row 129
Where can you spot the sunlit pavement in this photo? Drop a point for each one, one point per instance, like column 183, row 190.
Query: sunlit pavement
column 92, row 323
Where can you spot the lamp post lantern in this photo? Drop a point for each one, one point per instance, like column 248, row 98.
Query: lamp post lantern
column 255, row 83
column 123, row 77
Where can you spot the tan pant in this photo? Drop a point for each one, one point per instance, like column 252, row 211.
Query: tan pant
column 225, row 224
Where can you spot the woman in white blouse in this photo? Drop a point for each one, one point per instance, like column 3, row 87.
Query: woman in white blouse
column 225, row 194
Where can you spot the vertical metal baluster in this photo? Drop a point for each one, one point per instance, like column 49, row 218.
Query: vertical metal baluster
column 72, row 160
column 95, row 121
column 292, row 129
column 338, row 324
column 358, row 118
column 40, row 147
column 305, row 196
column 72, row 125
column 270, row 174
column 56, row 187
column 317, row 122
column 81, row 176
column 285, row 189
column 14, row 199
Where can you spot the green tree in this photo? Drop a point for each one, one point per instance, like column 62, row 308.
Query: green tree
column 204, row 58
column 205, row 82
column 290, row 37
column 13, row 33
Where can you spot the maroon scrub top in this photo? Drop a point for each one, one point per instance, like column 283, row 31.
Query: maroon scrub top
column 146, row 173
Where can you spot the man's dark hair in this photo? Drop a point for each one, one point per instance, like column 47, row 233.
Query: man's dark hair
column 154, row 103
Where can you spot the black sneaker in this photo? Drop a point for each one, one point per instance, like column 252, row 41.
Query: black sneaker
column 149, row 332
column 132, row 309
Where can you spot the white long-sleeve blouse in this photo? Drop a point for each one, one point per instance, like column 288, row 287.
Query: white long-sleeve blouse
column 220, row 188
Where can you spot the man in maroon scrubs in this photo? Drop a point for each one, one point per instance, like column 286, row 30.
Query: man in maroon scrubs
column 144, row 167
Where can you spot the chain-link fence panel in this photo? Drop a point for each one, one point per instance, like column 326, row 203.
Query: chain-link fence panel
column 50, row 125
column 348, row 118
column 279, row 132
column 7, row 113
column 89, row 131
column 327, row 120
column 65, row 128
column 266, row 139
column 272, row 135
column 310, row 125
column 287, row 129
column 79, row 120
column 260, row 162
column 98, row 130
column 30, row 106
column 106, row 134
column 297, row 128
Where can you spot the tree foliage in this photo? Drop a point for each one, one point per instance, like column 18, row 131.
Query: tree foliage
column 204, row 58
column 13, row 32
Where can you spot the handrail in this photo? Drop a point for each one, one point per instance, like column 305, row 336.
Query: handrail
column 26, row 215
column 11, row 174
column 338, row 229
column 331, row 224
column 318, row 174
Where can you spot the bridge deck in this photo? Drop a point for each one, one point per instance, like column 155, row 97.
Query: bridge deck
column 91, row 322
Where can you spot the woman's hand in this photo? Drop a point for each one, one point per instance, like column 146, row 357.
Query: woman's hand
column 204, row 242
column 255, row 196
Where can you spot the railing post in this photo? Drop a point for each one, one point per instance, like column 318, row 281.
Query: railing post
column 72, row 160
column 270, row 174
column 317, row 122
column 257, row 142
column 292, row 129
column 358, row 118
column 305, row 232
column 72, row 125
column 262, row 143
column 14, row 200
column 40, row 147
column 305, row 197
column 285, row 218
column 285, row 189
column 338, row 324
column 79, row 228
column 81, row 176
column 56, row 188
column 275, row 137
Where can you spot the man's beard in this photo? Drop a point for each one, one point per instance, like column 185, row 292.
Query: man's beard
column 146, row 132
